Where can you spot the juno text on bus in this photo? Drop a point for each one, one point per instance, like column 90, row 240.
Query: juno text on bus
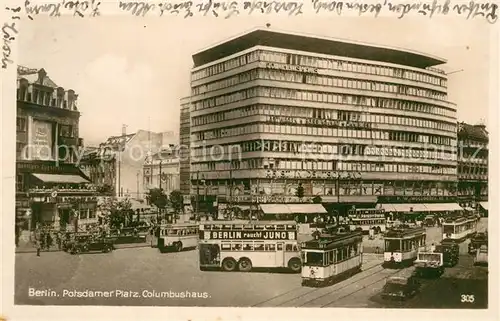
column 401, row 245
column 459, row 228
column 330, row 258
column 232, row 246
column 366, row 219
column 177, row 236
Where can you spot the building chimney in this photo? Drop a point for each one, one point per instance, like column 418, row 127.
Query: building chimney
column 124, row 130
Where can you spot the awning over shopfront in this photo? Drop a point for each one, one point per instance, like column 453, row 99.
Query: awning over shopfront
column 307, row 209
column 484, row 205
column 443, row 207
column 61, row 179
column 293, row 209
column 275, row 209
column 409, row 208
column 386, row 207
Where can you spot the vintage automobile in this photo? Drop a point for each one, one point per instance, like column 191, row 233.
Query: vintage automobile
column 481, row 256
column 400, row 288
column 429, row 264
column 429, row 221
column 450, row 252
column 477, row 241
column 90, row 243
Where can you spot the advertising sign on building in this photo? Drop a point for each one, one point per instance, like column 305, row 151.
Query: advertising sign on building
column 42, row 140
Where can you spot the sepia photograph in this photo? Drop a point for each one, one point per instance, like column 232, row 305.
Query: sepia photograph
column 254, row 162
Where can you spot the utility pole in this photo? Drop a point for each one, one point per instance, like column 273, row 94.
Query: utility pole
column 137, row 184
column 159, row 175
column 119, row 173
column 197, row 192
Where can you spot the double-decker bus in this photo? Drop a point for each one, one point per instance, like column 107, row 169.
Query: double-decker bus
column 242, row 246
column 401, row 245
column 330, row 258
column 459, row 228
column 367, row 219
column 177, row 236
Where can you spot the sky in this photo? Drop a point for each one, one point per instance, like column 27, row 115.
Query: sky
column 133, row 71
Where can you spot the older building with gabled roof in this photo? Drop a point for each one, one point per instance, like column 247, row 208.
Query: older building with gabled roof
column 48, row 182
column 473, row 166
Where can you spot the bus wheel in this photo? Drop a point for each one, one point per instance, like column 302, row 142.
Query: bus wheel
column 229, row 264
column 245, row 265
column 295, row 265
column 178, row 246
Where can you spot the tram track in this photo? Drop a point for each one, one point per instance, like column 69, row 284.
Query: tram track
column 360, row 289
column 337, row 287
column 312, row 290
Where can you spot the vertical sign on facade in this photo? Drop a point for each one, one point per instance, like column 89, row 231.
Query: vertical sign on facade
column 42, row 140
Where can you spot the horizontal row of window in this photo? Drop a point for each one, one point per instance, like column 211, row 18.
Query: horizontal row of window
column 319, row 63
column 45, row 98
column 326, row 117
column 367, row 222
column 322, row 131
column 86, row 213
column 326, row 166
column 325, row 258
column 472, row 170
column 329, row 81
column 314, row 149
column 473, row 143
column 258, row 246
column 276, row 194
column 321, row 97
column 64, row 130
column 179, row 232
column 404, row 245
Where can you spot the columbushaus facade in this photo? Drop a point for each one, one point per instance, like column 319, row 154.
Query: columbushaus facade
column 355, row 124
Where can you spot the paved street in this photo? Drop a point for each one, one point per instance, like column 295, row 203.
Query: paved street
column 145, row 271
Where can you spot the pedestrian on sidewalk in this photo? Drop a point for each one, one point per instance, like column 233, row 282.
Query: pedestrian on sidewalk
column 48, row 241
column 38, row 247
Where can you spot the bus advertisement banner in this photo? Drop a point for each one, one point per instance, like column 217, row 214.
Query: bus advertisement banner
column 248, row 235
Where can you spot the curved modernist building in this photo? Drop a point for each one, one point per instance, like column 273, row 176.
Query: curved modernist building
column 353, row 123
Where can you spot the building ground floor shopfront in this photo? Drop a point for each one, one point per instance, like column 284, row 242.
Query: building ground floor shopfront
column 60, row 212
column 52, row 195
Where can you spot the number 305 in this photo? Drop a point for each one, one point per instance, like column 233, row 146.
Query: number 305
column 467, row 298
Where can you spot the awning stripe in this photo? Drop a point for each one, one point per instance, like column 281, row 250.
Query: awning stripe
column 58, row 178
column 408, row 208
column 293, row 209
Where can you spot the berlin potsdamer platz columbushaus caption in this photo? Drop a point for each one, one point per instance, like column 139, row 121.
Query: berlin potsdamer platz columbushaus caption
column 307, row 172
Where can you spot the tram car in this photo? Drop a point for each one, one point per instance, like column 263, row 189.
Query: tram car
column 401, row 245
column 330, row 258
column 457, row 229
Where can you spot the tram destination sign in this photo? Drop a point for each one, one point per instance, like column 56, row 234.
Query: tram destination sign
column 248, row 235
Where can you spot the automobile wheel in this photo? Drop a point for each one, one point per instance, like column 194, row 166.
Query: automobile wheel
column 105, row 249
column 178, row 246
column 229, row 264
column 295, row 265
column 245, row 265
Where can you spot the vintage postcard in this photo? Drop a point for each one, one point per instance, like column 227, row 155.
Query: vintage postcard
column 192, row 155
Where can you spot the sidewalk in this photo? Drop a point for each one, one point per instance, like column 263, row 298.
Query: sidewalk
column 29, row 247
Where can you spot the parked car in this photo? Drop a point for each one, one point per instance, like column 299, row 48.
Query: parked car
column 481, row 256
column 429, row 221
column 400, row 288
column 477, row 241
column 90, row 243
